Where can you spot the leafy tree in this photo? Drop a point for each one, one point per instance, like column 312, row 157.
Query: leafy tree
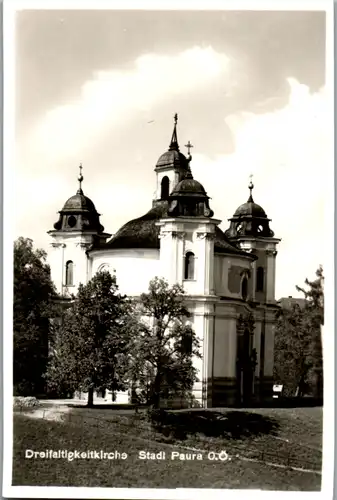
column 33, row 304
column 163, row 349
column 298, row 344
column 90, row 349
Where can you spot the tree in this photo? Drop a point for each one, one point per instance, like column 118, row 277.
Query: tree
column 314, row 311
column 33, row 302
column 90, row 349
column 298, row 346
column 163, row 349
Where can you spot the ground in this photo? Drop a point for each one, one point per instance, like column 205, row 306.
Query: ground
column 266, row 448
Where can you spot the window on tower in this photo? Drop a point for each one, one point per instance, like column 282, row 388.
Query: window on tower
column 71, row 221
column 244, row 288
column 69, row 273
column 189, row 266
column 259, row 279
column 165, row 188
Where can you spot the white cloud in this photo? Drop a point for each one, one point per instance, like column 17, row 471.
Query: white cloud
column 289, row 153
column 111, row 97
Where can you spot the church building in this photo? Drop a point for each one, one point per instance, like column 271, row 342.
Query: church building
column 228, row 277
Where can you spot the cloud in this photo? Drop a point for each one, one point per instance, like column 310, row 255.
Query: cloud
column 110, row 98
column 289, row 153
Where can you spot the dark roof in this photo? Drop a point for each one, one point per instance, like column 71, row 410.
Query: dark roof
column 223, row 245
column 189, row 186
column 250, row 208
column 172, row 158
column 143, row 233
column 79, row 203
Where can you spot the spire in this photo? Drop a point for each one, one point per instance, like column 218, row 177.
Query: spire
column 188, row 174
column 80, row 180
column 251, row 187
column 174, row 141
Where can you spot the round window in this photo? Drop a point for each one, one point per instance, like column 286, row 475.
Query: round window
column 71, row 221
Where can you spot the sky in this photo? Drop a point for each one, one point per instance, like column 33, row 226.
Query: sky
column 101, row 88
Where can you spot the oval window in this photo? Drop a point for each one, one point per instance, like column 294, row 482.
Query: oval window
column 71, row 221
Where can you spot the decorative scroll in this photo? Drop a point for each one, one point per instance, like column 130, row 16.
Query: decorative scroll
column 58, row 245
column 271, row 253
column 206, row 236
column 83, row 245
column 178, row 234
column 175, row 234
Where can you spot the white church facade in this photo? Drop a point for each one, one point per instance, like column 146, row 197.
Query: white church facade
column 229, row 277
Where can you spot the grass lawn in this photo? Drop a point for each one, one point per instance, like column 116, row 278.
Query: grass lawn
column 103, row 429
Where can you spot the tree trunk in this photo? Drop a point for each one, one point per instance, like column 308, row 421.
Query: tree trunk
column 90, row 403
column 155, row 400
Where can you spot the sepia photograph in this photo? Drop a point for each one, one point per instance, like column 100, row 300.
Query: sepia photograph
column 169, row 228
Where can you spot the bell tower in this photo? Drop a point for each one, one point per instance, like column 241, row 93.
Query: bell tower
column 76, row 230
column 250, row 230
column 170, row 169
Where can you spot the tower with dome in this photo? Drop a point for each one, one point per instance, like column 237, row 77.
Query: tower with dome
column 228, row 277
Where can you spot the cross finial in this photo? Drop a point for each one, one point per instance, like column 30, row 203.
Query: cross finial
column 176, row 118
column 80, row 180
column 189, row 146
column 251, row 187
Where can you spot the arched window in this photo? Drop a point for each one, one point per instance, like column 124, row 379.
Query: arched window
column 259, row 279
column 244, row 288
column 69, row 273
column 165, row 188
column 189, row 266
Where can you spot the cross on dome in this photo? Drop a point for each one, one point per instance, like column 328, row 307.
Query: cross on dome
column 251, row 187
column 80, row 180
column 189, row 146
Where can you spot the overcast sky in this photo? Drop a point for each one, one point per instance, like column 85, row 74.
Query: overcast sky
column 101, row 88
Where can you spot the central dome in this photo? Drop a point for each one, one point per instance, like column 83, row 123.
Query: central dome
column 144, row 233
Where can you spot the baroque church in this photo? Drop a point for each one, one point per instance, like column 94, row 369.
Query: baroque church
column 228, row 277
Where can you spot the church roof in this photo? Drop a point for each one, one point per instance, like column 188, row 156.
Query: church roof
column 250, row 209
column 190, row 187
column 79, row 202
column 144, row 233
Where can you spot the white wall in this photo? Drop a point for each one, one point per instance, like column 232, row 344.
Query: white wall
column 134, row 267
column 69, row 247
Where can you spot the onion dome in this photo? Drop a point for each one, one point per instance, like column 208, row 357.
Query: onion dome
column 249, row 220
column 189, row 198
column 173, row 158
column 79, row 213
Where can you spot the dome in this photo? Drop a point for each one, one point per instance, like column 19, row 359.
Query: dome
column 172, row 158
column 79, row 202
column 189, row 198
column 250, row 208
column 141, row 232
column 79, row 213
column 249, row 220
column 189, row 186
